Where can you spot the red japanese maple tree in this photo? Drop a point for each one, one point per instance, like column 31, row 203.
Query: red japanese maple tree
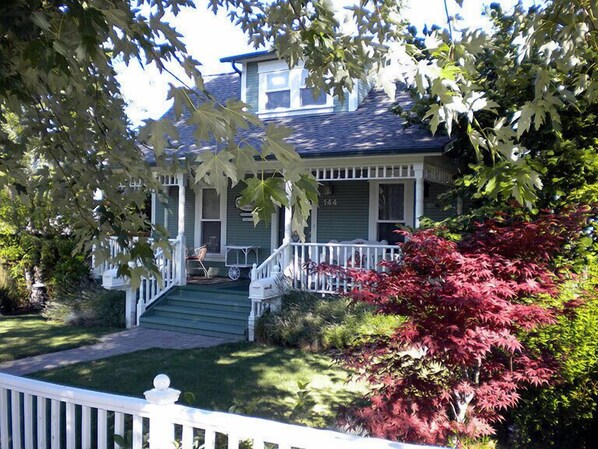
column 447, row 373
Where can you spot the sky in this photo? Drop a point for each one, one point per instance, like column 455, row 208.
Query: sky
column 209, row 38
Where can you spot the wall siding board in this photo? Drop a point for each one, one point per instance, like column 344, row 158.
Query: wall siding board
column 363, row 89
column 432, row 209
column 241, row 232
column 173, row 211
column 348, row 219
column 189, row 217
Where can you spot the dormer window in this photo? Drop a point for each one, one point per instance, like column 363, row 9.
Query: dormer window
column 284, row 92
column 278, row 91
column 309, row 97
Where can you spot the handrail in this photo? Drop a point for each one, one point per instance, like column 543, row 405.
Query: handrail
column 153, row 288
column 265, row 269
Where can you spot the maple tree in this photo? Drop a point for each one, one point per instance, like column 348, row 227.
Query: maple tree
column 448, row 373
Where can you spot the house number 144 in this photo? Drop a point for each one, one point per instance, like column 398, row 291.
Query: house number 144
column 330, row 202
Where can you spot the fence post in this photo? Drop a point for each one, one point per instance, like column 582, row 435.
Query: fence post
column 161, row 426
column 130, row 307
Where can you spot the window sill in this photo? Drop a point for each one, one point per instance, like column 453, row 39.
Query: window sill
column 292, row 112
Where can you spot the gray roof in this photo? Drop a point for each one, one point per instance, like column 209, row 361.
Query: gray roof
column 371, row 129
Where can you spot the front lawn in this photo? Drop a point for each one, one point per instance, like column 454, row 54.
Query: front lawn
column 260, row 380
column 28, row 335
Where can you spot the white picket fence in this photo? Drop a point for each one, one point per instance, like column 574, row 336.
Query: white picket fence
column 41, row 415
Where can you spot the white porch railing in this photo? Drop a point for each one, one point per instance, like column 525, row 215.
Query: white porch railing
column 36, row 414
column 171, row 272
column 273, row 264
column 152, row 288
column 362, row 256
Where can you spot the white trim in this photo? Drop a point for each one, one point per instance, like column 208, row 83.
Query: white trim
column 408, row 212
column 197, row 237
column 353, row 96
column 244, row 83
column 153, row 206
column 274, row 230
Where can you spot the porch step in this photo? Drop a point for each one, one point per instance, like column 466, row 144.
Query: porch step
column 215, row 311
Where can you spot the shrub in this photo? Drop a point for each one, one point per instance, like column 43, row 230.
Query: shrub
column 316, row 323
column 564, row 414
column 10, row 299
column 458, row 362
column 88, row 305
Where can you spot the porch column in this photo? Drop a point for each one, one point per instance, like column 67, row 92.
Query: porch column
column 419, row 192
column 288, row 228
column 154, row 203
column 182, row 253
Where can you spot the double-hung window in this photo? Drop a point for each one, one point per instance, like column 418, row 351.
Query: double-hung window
column 284, row 91
column 209, row 214
column 309, row 95
column 278, row 90
column 391, row 204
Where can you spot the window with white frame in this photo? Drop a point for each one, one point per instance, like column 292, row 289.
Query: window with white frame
column 284, row 91
column 210, row 215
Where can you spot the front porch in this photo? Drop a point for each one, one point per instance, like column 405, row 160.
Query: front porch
column 352, row 226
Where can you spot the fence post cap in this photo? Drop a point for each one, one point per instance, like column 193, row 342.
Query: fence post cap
column 162, row 394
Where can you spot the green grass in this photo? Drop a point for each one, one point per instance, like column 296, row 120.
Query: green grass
column 261, row 380
column 28, row 335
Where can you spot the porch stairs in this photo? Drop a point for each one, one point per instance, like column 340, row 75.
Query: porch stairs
column 214, row 311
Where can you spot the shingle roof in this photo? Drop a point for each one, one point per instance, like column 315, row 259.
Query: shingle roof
column 371, row 129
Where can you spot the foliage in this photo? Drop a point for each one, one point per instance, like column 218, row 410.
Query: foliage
column 528, row 82
column 449, row 372
column 87, row 305
column 10, row 300
column 38, row 258
column 563, row 415
column 314, row 323
column 29, row 335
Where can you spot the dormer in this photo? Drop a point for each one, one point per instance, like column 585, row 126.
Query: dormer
column 271, row 89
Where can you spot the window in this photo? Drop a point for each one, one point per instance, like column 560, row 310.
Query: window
column 308, row 94
column 283, row 91
column 210, row 222
column 391, row 211
column 278, row 92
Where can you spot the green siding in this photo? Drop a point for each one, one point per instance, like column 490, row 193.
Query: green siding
column 341, row 106
column 363, row 89
column 189, row 217
column 173, row 211
column 432, row 208
column 239, row 232
column 344, row 215
column 252, row 86
column 159, row 213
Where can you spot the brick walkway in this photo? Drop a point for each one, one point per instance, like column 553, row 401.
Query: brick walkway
column 131, row 340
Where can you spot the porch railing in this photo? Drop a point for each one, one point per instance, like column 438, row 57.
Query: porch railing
column 44, row 415
column 273, row 264
column 152, row 287
column 306, row 256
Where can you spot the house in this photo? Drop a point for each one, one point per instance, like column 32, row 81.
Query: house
column 374, row 173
